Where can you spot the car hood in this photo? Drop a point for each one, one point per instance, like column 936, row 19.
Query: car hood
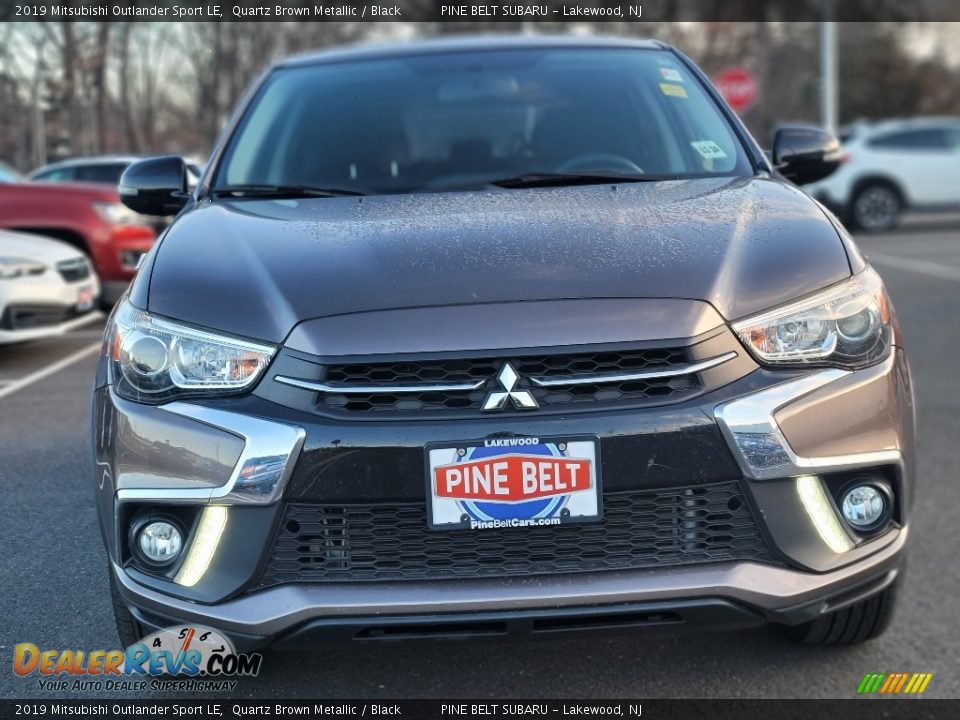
column 256, row 268
column 35, row 247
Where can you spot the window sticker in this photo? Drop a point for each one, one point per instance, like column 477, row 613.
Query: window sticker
column 671, row 74
column 673, row 90
column 709, row 150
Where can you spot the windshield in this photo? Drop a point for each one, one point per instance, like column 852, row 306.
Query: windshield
column 430, row 122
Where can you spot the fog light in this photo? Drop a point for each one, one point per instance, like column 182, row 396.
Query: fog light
column 864, row 506
column 160, row 542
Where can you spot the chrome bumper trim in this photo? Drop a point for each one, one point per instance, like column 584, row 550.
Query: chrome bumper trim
column 749, row 423
column 269, row 454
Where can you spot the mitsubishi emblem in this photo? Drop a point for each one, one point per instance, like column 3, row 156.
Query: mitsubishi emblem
column 497, row 400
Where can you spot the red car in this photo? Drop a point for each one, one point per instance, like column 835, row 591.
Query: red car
column 88, row 216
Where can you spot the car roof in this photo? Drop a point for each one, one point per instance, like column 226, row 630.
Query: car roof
column 90, row 160
column 479, row 43
column 913, row 123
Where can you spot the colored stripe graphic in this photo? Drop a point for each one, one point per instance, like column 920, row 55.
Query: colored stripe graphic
column 894, row 683
column 867, row 685
column 891, row 680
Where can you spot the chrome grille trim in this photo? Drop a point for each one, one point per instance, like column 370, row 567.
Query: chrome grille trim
column 676, row 371
column 376, row 389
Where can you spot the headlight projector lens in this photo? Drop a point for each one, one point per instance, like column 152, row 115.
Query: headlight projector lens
column 146, row 355
column 858, row 327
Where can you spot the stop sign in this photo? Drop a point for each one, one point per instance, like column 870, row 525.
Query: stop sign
column 737, row 87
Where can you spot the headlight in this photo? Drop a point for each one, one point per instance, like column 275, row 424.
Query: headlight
column 11, row 268
column 119, row 214
column 156, row 360
column 847, row 325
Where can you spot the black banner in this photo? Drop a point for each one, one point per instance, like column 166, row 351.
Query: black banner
column 892, row 709
column 542, row 11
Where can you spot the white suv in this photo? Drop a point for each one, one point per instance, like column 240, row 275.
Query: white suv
column 891, row 166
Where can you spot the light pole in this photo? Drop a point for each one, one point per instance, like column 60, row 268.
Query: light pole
column 828, row 69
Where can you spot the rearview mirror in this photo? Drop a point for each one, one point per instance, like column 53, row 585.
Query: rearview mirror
column 156, row 186
column 805, row 154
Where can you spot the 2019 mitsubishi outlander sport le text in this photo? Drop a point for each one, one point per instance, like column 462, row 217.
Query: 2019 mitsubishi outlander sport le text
column 500, row 336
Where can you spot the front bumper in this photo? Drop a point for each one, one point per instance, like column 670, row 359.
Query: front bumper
column 33, row 308
column 721, row 596
column 827, row 424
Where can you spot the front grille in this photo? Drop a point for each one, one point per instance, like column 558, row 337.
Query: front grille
column 74, row 270
column 24, row 317
column 390, row 541
column 451, row 371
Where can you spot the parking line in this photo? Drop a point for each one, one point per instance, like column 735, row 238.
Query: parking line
column 48, row 370
column 924, row 267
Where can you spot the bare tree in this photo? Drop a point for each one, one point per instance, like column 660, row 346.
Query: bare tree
column 131, row 133
column 68, row 50
column 99, row 77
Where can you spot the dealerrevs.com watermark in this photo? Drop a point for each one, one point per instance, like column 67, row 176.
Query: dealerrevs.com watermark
column 186, row 659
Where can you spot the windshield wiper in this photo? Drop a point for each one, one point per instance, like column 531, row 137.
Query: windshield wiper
column 545, row 179
column 282, row 191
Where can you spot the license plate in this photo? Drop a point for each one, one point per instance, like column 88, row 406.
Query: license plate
column 84, row 299
column 513, row 482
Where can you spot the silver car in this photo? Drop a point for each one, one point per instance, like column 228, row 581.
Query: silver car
column 46, row 287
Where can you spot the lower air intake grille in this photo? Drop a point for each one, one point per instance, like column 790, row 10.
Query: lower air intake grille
column 26, row 317
column 390, row 541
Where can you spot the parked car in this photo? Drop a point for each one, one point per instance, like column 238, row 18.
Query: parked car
column 495, row 336
column 100, row 169
column 89, row 217
column 893, row 166
column 105, row 169
column 46, row 287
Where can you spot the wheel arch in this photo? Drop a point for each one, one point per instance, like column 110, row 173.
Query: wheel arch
column 876, row 178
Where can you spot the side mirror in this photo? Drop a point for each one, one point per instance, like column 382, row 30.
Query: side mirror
column 156, row 186
column 805, row 154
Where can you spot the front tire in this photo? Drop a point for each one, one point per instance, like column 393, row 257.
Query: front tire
column 851, row 625
column 129, row 630
column 876, row 207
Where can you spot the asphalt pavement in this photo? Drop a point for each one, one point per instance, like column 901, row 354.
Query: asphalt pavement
column 53, row 580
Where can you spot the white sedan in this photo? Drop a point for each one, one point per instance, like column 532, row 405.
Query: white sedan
column 46, row 287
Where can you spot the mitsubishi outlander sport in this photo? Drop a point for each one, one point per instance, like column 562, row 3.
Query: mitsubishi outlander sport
column 500, row 336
